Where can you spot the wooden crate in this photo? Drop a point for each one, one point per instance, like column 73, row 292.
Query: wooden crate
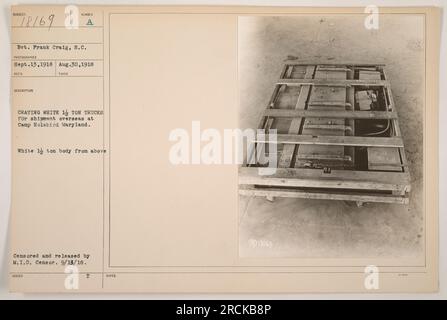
column 337, row 138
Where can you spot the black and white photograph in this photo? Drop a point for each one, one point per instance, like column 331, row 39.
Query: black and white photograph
column 341, row 101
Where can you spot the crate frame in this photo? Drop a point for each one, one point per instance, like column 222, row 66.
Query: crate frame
column 351, row 185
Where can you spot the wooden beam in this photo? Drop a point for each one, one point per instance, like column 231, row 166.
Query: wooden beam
column 331, row 83
column 350, row 97
column 302, row 63
column 290, row 193
column 353, row 141
column 288, row 113
column 287, row 154
column 327, row 127
column 333, row 69
column 336, row 179
column 334, row 157
column 330, row 103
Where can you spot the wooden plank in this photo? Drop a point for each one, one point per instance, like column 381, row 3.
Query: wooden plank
column 396, row 127
column 345, row 114
column 366, row 69
column 336, row 179
column 330, row 103
column 289, row 72
column 347, row 64
column 350, row 97
column 287, row 154
column 288, row 193
column 386, row 142
column 333, row 69
column 325, row 157
column 332, row 83
column 340, row 127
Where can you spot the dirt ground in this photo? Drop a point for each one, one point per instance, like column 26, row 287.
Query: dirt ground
column 314, row 228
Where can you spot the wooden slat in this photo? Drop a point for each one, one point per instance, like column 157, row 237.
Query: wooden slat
column 328, row 127
column 333, row 69
column 330, row 103
column 350, row 97
column 349, row 64
column 337, row 179
column 387, row 142
column 332, row 83
column 396, row 127
column 276, row 192
column 285, row 113
column 325, row 157
column 366, row 69
column 287, row 154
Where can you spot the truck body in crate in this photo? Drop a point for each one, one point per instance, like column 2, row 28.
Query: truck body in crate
column 337, row 137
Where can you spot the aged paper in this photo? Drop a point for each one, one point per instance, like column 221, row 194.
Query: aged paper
column 125, row 174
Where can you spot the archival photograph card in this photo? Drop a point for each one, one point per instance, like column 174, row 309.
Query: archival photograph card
column 224, row 149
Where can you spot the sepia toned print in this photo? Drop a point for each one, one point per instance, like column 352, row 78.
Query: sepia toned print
column 127, row 175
